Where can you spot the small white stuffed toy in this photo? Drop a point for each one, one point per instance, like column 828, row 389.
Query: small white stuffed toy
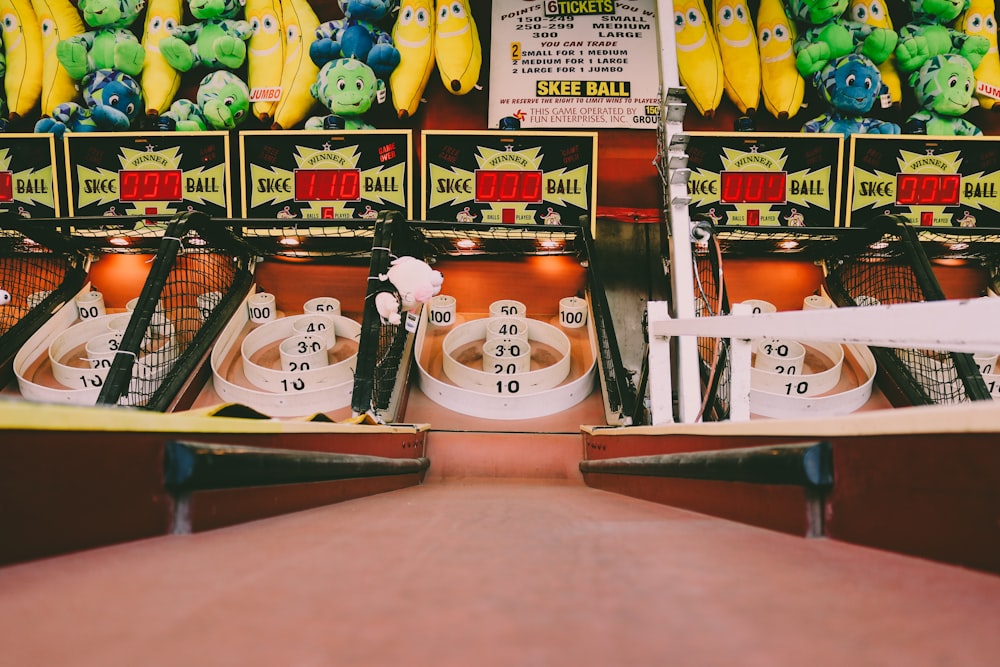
column 415, row 282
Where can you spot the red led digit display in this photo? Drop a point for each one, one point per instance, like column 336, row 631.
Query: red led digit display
column 150, row 185
column 928, row 189
column 6, row 186
column 327, row 184
column 752, row 187
column 494, row 186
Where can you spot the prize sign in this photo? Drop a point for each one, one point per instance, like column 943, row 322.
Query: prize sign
column 28, row 183
column 121, row 173
column 325, row 174
column 950, row 182
column 522, row 178
column 765, row 179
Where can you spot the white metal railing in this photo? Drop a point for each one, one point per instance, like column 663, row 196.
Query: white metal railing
column 967, row 325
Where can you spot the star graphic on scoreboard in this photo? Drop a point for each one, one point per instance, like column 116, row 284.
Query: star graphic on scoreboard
column 753, row 149
column 150, row 148
column 930, row 151
column 327, row 146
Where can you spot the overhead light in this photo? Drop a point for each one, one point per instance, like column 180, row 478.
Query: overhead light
column 788, row 245
column 549, row 244
column 120, row 241
column 196, row 241
column 290, row 241
column 879, row 245
column 466, row 244
column 961, row 245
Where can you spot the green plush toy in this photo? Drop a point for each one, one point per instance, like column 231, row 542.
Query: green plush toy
column 217, row 41
column 945, row 87
column 825, row 35
column 111, row 45
column 223, row 102
column 348, row 88
column 928, row 35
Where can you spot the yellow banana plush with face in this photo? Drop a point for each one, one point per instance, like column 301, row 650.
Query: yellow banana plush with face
column 876, row 14
column 299, row 71
column 265, row 54
column 782, row 87
column 412, row 35
column 457, row 50
column 699, row 63
column 980, row 19
column 160, row 82
column 740, row 57
column 22, row 44
column 58, row 20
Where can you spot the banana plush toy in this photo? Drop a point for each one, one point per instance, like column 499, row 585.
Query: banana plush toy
column 457, row 49
column 782, row 87
column 160, row 82
column 22, row 43
column 980, row 19
column 265, row 55
column 299, row 72
column 740, row 57
column 59, row 20
column 413, row 35
column 699, row 63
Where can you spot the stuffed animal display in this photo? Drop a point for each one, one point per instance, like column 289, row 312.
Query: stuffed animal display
column 445, row 36
column 412, row 282
column 849, row 85
column 358, row 36
column 22, row 47
column 112, row 102
column 826, row 35
column 223, row 103
column 216, row 41
column 160, row 81
column 945, row 87
column 980, row 20
column 348, row 88
column 109, row 44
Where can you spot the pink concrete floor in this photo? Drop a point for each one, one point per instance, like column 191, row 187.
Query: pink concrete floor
column 495, row 572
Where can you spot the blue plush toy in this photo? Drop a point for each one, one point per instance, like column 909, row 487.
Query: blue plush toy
column 850, row 85
column 358, row 36
column 113, row 100
column 945, row 87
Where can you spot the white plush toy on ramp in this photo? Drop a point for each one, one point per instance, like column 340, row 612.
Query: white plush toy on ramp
column 415, row 282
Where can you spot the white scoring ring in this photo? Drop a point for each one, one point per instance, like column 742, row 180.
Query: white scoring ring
column 773, row 400
column 482, row 382
column 289, row 382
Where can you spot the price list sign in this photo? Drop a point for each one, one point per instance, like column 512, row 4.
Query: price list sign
column 29, row 185
column 524, row 178
column 121, row 173
column 575, row 63
column 765, row 179
column 324, row 174
column 931, row 182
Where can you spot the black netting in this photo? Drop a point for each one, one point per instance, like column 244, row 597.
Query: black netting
column 711, row 300
column 198, row 278
column 892, row 267
column 36, row 276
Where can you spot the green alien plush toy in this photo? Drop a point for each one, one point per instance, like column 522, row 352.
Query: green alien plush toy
column 348, row 88
column 217, row 41
column 223, row 102
column 110, row 45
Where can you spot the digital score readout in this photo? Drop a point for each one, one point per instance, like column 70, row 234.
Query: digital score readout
column 764, row 179
column 927, row 181
column 752, row 187
column 494, row 186
column 339, row 185
column 144, row 186
column 928, row 189
column 6, row 187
